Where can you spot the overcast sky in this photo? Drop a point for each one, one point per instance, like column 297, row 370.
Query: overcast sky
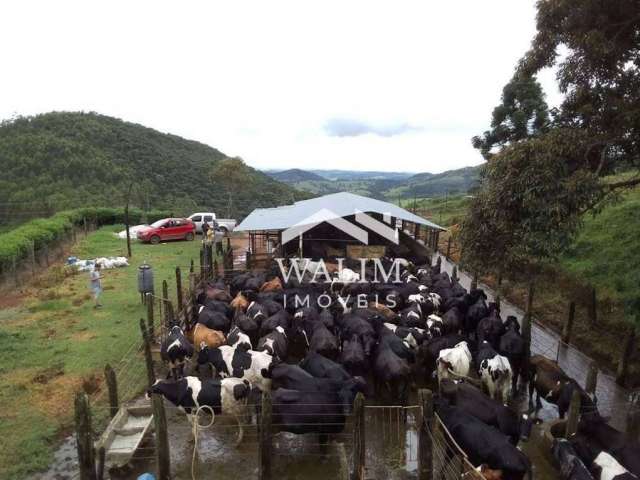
column 395, row 86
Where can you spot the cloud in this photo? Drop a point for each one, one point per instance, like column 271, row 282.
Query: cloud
column 345, row 127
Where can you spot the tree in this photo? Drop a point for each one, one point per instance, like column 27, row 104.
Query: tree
column 543, row 178
column 233, row 174
column 523, row 113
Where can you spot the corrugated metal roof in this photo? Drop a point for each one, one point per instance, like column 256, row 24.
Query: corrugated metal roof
column 335, row 205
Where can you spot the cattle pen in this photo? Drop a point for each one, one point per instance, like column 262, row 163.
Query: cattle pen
column 379, row 440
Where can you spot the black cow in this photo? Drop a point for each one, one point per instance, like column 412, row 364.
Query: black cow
column 452, row 321
column 214, row 320
column 473, row 401
column 352, row 324
column 174, row 350
column 279, row 319
column 513, row 346
column 324, row 342
column 396, row 344
column 322, row 367
column 353, row 357
column 391, row 372
column 484, row 444
column 476, row 311
column 293, row 377
column 490, row 328
column 322, row 412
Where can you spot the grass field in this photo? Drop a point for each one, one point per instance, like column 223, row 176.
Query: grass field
column 445, row 210
column 53, row 343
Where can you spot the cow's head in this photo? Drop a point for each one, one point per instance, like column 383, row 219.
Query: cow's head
column 177, row 392
column 489, row 473
column 348, row 392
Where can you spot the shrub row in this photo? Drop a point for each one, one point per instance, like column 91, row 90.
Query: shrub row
column 15, row 244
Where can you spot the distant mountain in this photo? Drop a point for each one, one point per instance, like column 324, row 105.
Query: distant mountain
column 349, row 175
column 63, row 160
column 294, row 175
column 429, row 185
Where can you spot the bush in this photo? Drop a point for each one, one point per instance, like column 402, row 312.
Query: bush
column 16, row 244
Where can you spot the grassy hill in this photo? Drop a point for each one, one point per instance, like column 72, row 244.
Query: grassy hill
column 64, row 160
column 430, row 185
column 294, row 175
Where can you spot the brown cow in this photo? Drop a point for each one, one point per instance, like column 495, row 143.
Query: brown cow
column 489, row 473
column 272, row 285
column 204, row 336
column 384, row 310
column 546, row 378
column 240, row 302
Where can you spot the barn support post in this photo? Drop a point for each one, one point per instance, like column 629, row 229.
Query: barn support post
column 568, row 326
column 84, row 439
column 179, row 289
column 150, row 320
column 592, row 378
column 358, row 438
column 228, row 243
column 151, row 376
column 593, row 306
column 621, row 373
column 437, row 240
column 425, row 440
column 215, row 269
column 248, row 260
column 439, row 264
column 265, row 437
column 416, row 231
column 162, row 438
column 112, row 387
column 574, row 414
column 454, row 273
column 449, row 241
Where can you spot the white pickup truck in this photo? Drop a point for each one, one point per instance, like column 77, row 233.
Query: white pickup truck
column 224, row 224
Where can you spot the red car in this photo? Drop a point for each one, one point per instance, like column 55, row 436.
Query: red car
column 168, row 229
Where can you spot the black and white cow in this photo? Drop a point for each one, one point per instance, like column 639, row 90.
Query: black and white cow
column 275, row 343
column 175, row 349
column 237, row 338
column 495, row 372
column 602, row 464
column 255, row 367
column 226, row 396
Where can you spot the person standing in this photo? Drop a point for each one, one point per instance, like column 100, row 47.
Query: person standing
column 96, row 284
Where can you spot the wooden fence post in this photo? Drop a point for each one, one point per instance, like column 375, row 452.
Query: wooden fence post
column 150, row 320
column 425, row 440
column 192, row 267
column 32, row 258
column 593, row 306
column 568, row 326
column 624, row 358
column 592, row 378
column 474, row 281
column 202, row 261
column 100, row 467
column 358, row 438
column 112, row 386
column 215, row 269
column 265, row 437
column 632, row 431
column 248, row 260
column 439, row 264
column 454, row 273
column 449, row 247
column 151, row 376
column 163, row 463
column 84, row 438
column 574, row 414
column 165, row 301
column 179, row 289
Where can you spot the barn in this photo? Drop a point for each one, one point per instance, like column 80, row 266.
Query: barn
column 338, row 225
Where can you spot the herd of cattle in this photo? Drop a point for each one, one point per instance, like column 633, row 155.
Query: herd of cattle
column 258, row 333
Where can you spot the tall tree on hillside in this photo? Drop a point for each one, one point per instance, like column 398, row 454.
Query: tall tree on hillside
column 536, row 188
column 523, row 113
column 233, row 174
